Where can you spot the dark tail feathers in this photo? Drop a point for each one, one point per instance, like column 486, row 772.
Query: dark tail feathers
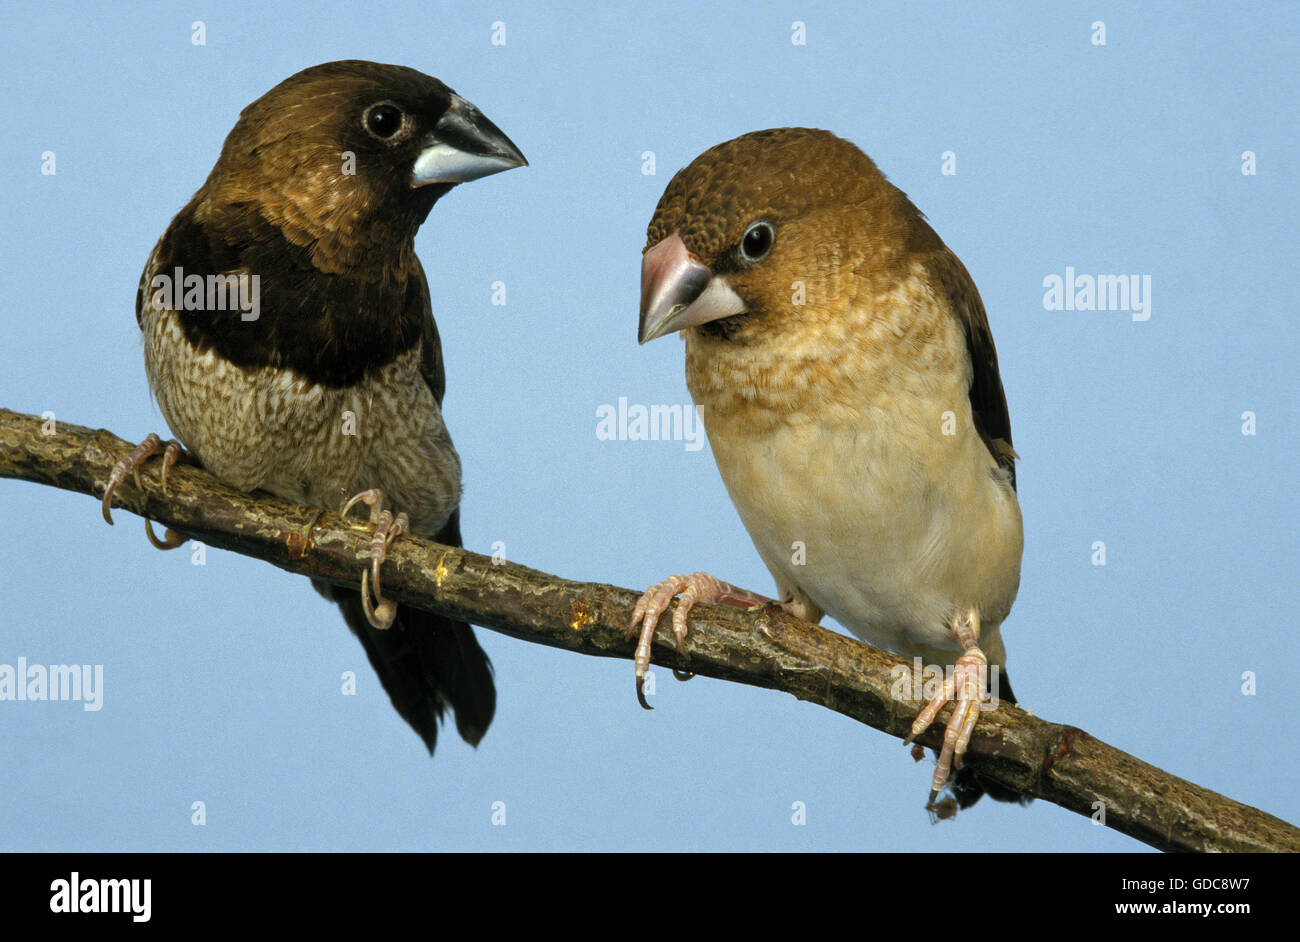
column 426, row 663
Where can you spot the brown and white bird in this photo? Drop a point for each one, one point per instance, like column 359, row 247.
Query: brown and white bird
column 849, row 386
column 323, row 382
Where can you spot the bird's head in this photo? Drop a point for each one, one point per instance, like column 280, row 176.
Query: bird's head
column 351, row 155
column 764, row 228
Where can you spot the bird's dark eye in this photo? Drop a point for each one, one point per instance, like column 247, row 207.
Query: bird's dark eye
column 757, row 241
column 383, row 120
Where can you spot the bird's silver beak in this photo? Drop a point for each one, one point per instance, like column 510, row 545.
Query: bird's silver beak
column 464, row 146
column 678, row 291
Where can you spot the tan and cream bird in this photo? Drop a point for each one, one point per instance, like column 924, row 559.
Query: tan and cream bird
column 849, row 386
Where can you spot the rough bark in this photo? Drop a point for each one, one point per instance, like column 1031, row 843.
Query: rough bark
column 1051, row 761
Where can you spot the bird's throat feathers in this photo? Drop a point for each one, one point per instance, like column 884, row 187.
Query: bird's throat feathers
column 891, row 337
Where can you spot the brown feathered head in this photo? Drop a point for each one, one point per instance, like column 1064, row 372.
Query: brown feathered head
column 754, row 218
column 349, row 154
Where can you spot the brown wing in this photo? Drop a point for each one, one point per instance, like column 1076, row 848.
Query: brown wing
column 988, row 401
column 431, row 367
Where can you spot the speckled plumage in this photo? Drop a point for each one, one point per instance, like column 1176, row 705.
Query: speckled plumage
column 273, row 429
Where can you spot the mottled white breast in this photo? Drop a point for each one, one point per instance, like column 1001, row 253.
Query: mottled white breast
column 269, row 428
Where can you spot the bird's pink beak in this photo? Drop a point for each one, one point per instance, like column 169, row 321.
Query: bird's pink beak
column 678, row 291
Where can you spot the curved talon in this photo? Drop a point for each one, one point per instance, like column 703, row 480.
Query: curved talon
column 171, row 455
column 120, row 470
column 387, row 530
column 381, row 617
column 697, row 587
column 108, row 500
column 367, row 496
column 118, row 475
column 382, row 613
column 151, row 445
column 170, row 541
column 647, row 611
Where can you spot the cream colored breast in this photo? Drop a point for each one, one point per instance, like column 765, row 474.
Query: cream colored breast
column 870, row 488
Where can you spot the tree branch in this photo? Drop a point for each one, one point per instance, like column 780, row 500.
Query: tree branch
column 1053, row 762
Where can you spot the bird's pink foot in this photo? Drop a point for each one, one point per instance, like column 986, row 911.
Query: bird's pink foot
column 152, row 445
column 387, row 528
column 697, row 587
column 965, row 686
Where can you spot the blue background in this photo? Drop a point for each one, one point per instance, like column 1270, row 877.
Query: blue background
column 223, row 680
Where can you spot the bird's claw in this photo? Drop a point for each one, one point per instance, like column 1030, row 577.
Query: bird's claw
column 130, row 465
column 965, row 686
column 697, row 587
column 388, row 527
column 170, row 538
